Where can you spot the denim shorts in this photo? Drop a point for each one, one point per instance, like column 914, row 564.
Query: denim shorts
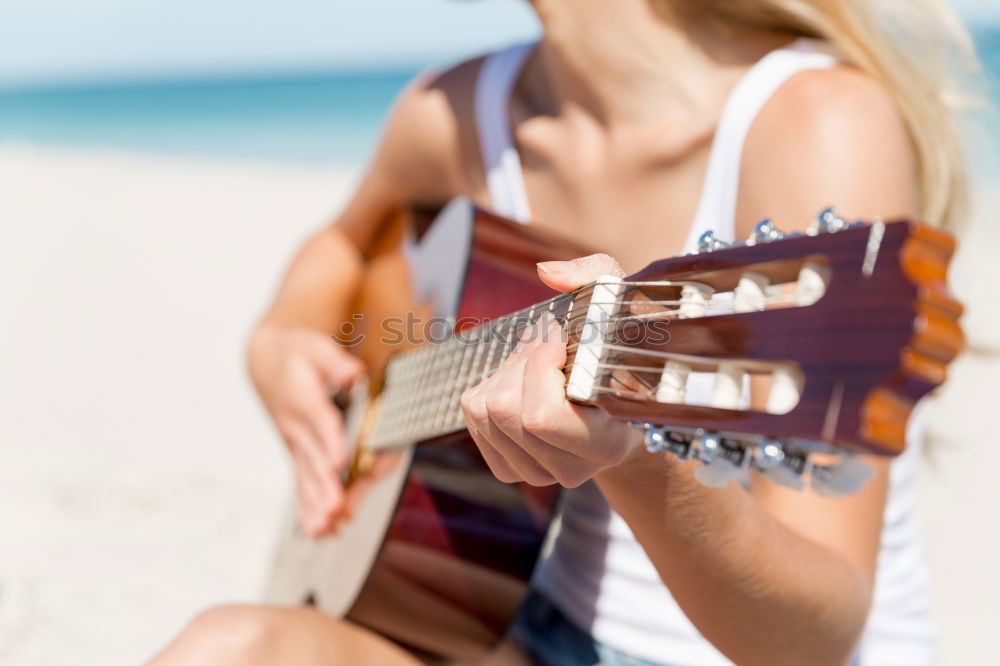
column 550, row 639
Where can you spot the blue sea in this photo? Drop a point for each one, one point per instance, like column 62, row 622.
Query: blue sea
column 316, row 117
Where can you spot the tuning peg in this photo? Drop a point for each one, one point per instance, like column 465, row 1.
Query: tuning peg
column 774, row 464
column 828, row 222
column 705, row 446
column 722, row 464
column 786, row 476
column 845, row 478
column 764, row 232
column 707, row 242
column 717, row 473
column 656, row 437
column 768, row 454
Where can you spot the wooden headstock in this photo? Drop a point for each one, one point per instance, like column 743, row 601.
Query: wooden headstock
column 850, row 325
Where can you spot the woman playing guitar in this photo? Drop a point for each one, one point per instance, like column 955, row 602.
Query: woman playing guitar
column 631, row 126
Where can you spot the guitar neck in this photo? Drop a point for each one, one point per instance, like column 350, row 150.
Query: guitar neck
column 423, row 387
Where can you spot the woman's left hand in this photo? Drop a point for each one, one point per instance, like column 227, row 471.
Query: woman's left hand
column 520, row 418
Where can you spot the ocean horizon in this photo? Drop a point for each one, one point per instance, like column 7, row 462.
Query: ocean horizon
column 313, row 117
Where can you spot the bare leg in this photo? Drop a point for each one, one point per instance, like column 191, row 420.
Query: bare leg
column 248, row 635
column 259, row 635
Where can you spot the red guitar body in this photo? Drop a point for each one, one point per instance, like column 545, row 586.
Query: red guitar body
column 445, row 560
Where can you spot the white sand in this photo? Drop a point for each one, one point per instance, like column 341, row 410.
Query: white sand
column 139, row 480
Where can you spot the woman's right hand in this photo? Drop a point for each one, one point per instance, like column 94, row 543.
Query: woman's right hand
column 295, row 371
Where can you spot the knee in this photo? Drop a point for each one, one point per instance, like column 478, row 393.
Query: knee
column 235, row 634
column 242, row 630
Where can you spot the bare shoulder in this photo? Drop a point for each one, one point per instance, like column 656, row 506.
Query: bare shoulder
column 426, row 143
column 426, row 154
column 833, row 100
column 827, row 137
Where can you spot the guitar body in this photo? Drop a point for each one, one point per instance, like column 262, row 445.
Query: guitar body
column 439, row 553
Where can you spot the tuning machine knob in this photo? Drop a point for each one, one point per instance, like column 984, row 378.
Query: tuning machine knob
column 655, row 439
column 707, row 242
column 844, row 478
column 765, row 232
column 778, row 466
column 722, row 463
column 768, row 454
column 828, row 222
column 785, row 476
column 717, row 474
column 725, row 461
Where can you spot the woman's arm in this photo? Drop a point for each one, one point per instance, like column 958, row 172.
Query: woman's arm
column 292, row 360
column 779, row 576
column 768, row 576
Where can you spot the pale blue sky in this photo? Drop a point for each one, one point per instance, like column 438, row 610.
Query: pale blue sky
column 98, row 39
column 71, row 39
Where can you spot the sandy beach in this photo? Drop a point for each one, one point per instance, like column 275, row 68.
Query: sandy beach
column 139, row 479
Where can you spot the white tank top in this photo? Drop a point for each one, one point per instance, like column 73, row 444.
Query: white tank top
column 597, row 573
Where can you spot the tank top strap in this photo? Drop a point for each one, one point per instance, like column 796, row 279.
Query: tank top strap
column 502, row 166
column 717, row 207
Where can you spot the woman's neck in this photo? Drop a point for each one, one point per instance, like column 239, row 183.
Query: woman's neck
column 622, row 62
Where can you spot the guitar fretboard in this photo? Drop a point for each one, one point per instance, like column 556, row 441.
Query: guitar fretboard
column 423, row 387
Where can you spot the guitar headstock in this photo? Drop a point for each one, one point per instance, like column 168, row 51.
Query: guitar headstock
column 844, row 328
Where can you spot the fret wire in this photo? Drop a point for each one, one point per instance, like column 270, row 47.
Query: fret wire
column 433, row 374
column 431, row 384
column 447, row 397
column 476, row 374
column 412, row 392
column 505, row 344
column 455, row 408
column 470, row 379
column 448, row 393
column 531, row 323
column 489, row 358
column 412, row 420
column 442, row 368
column 470, row 372
column 513, row 334
column 401, row 404
column 400, row 395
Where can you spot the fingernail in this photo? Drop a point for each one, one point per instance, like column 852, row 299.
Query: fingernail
column 549, row 267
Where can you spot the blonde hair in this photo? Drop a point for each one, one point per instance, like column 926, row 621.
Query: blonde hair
column 912, row 47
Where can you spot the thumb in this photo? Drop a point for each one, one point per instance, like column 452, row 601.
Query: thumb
column 570, row 275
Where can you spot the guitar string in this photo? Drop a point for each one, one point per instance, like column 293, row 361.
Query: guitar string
column 439, row 395
column 446, row 394
column 439, row 423
column 445, row 365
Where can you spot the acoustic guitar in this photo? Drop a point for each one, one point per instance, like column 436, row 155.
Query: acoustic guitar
column 850, row 323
